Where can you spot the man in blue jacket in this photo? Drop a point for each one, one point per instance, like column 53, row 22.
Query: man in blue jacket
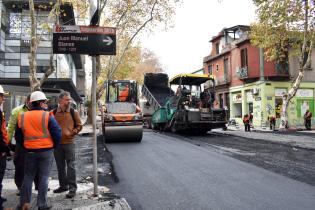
column 39, row 133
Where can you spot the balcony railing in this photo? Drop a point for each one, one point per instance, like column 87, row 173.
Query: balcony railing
column 223, row 80
column 242, row 72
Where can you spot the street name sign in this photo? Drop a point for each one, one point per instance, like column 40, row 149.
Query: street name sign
column 90, row 40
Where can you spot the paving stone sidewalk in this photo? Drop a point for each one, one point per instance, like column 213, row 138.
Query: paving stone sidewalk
column 84, row 165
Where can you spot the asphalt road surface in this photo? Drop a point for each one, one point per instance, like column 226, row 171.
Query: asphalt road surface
column 164, row 172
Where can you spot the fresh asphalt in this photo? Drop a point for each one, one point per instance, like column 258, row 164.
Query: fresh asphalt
column 164, row 172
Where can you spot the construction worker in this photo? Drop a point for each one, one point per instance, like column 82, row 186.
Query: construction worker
column 4, row 142
column 38, row 132
column 123, row 95
column 308, row 120
column 70, row 123
column 272, row 122
column 246, row 122
column 19, row 152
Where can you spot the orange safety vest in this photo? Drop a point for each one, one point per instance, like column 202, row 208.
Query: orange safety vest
column 34, row 125
column 124, row 94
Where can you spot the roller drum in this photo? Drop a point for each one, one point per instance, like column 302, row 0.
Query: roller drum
column 123, row 133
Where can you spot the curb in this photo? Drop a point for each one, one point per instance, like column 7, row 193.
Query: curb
column 115, row 204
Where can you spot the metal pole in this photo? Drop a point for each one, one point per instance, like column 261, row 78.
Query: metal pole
column 93, row 89
column 95, row 175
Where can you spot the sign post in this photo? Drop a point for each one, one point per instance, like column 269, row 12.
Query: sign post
column 89, row 40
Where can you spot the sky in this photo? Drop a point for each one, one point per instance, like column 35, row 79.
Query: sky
column 182, row 48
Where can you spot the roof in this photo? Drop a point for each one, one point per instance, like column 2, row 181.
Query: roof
column 221, row 34
column 191, row 79
column 237, row 27
column 198, row 71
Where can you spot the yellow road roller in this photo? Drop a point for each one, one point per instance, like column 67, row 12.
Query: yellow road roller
column 123, row 121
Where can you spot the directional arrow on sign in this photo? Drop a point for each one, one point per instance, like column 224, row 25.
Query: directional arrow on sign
column 108, row 40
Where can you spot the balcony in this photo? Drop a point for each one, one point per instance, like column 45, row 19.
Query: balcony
column 242, row 72
column 223, row 80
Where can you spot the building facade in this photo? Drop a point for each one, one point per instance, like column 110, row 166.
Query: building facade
column 15, row 51
column 248, row 83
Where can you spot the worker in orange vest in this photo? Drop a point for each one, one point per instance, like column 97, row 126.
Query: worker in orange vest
column 123, row 95
column 39, row 133
column 246, row 121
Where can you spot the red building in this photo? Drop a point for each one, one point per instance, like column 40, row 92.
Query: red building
column 234, row 61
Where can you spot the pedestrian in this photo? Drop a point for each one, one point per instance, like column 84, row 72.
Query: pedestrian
column 70, row 123
column 251, row 117
column 272, row 122
column 38, row 133
column 246, row 122
column 308, row 120
column 19, row 152
column 4, row 143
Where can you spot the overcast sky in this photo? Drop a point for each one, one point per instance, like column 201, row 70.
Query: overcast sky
column 182, row 48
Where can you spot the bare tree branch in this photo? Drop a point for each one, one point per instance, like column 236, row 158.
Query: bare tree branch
column 113, row 68
column 125, row 13
column 132, row 38
column 50, row 70
column 305, row 36
column 102, row 8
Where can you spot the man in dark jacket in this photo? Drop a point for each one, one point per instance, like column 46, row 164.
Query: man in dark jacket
column 39, row 133
column 308, row 120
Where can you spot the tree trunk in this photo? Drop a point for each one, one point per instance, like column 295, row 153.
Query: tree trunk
column 286, row 98
column 34, row 83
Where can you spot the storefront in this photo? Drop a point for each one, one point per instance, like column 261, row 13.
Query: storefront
column 264, row 99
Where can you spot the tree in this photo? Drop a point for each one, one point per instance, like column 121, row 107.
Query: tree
column 53, row 18
column 149, row 63
column 286, row 27
column 130, row 18
column 136, row 62
column 34, row 82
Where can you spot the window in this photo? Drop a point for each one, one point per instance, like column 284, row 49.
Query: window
column 221, row 100
column 244, row 61
column 210, row 69
column 217, row 67
column 15, row 23
column 217, row 48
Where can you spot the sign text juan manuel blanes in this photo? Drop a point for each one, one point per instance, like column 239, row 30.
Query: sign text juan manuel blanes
column 90, row 40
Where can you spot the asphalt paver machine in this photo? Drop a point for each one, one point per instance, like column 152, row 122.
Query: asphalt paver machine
column 187, row 111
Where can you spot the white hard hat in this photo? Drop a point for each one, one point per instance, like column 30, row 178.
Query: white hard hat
column 38, row 96
column 1, row 90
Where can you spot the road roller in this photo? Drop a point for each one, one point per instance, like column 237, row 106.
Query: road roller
column 123, row 121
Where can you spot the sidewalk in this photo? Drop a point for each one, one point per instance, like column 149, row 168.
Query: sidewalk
column 83, row 200
column 300, row 139
column 84, row 168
